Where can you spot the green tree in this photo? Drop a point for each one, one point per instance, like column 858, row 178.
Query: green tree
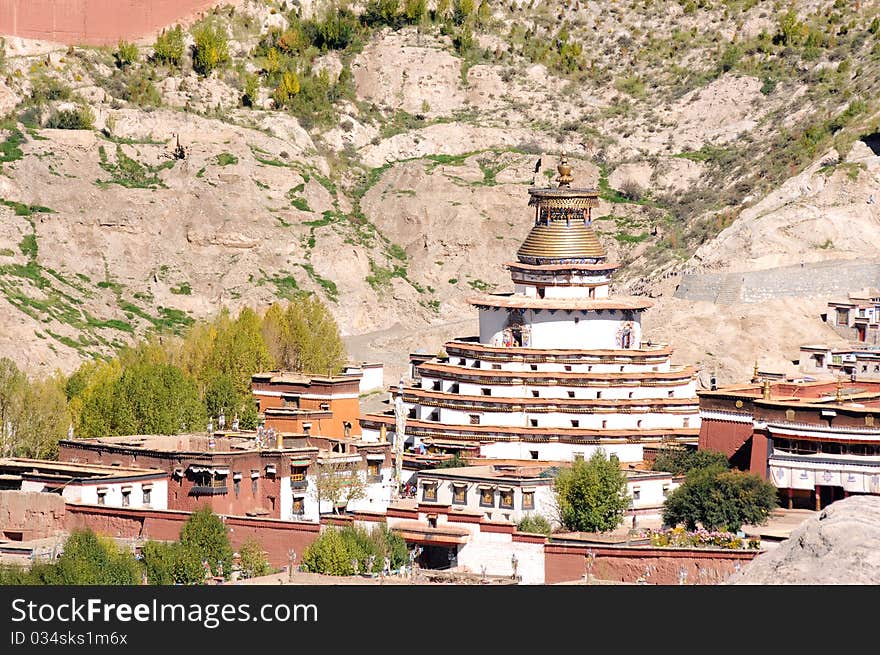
column 304, row 337
column 253, row 559
column 211, row 50
column 443, row 11
column 89, row 560
column 222, row 395
column 286, row 90
column 415, row 10
column 328, row 555
column 43, row 418
column 337, row 483
column 591, row 495
column 126, row 54
column 334, row 550
column 12, row 387
column 204, row 534
column 791, row 30
column 251, row 89
column 484, row 13
column 238, row 350
column 155, row 399
column 679, row 461
column 535, row 523
column 719, row 499
column 462, row 11
column 169, row 46
column 171, row 563
column 382, row 12
column 314, row 335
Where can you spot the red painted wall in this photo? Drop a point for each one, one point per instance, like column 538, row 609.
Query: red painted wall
column 276, row 537
column 564, row 563
column 726, row 436
column 94, row 22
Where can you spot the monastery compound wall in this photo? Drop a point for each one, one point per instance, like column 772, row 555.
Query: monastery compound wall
column 94, row 22
column 831, row 278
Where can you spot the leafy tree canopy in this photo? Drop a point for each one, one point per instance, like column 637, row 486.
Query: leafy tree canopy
column 720, row 499
column 679, row 461
column 591, row 495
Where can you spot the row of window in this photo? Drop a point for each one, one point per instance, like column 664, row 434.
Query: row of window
column 803, row 447
column 126, row 496
column 437, row 385
column 474, row 419
column 486, row 496
column 534, row 367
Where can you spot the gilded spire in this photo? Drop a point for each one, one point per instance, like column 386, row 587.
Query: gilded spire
column 564, row 179
column 838, row 394
column 755, row 376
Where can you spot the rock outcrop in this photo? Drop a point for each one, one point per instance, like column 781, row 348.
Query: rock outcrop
column 839, row 546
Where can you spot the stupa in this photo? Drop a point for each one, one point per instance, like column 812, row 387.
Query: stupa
column 560, row 367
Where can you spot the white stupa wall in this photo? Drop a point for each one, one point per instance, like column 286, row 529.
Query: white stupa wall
column 531, row 291
column 562, row 329
column 543, row 367
column 558, row 452
column 608, row 421
column 670, row 390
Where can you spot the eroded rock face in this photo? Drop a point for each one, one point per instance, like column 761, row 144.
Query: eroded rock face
column 839, row 546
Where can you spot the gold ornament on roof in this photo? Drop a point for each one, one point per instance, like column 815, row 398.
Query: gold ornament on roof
column 564, row 179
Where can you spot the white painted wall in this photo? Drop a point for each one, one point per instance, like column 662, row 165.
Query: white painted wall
column 87, row 493
column 372, row 376
column 543, row 498
column 558, row 452
column 686, row 390
column 378, row 494
column 563, row 329
column 576, row 330
column 854, row 474
column 610, row 421
column 493, row 552
column 660, row 365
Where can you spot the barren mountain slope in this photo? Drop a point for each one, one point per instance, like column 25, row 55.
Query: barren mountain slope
column 412, row 196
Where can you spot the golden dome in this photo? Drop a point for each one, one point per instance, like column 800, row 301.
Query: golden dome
column 564, row 178
column 561, row 240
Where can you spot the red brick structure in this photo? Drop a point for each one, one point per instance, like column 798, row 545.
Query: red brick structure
column 816, row 440
column 276, row 537
column 201, row 475
column 567, row 561
column 95, row 22
column 317, row 405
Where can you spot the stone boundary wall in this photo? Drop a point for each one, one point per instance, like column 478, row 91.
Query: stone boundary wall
column 275, row 536
column 26, row 515
column 834, row 278
column 568, row 562
column 95, row 22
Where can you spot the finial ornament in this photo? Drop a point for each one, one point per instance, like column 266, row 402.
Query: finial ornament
column 755, row 372
column 838, row 395
column 564, row 179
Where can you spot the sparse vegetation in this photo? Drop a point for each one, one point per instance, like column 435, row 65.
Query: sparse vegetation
column 169, row 46
column 81, row 118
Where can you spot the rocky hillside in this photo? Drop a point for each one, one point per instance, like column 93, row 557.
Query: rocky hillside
column 836, row 547
column 391, row 178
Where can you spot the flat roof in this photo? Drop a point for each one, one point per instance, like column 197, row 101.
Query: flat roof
column 195, row 443
column 292, row 377
column 75, row 470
